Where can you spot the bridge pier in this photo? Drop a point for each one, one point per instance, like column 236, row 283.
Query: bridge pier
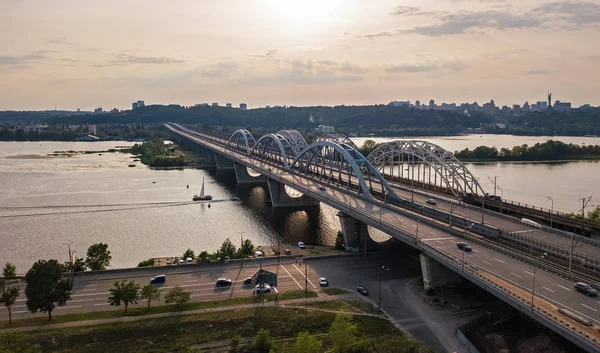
column 243, row 177
column 280, row 197
column 223, row 163
column 356, row 234
column 435, row 274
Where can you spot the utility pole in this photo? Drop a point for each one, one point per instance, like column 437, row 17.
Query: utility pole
column 242, row 249
column 494, row 181
column 70, row 257
column 584, row 203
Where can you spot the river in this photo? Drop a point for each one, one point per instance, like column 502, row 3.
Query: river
column 48, row 202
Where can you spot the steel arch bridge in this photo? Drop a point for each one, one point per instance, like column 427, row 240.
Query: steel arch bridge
column 428, row 160
column 337, row 138
column 342, row 166
column 274, row 148
column 295, row 139
column 241, row 140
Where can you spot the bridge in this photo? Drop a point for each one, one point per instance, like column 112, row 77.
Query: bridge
column 531, row 268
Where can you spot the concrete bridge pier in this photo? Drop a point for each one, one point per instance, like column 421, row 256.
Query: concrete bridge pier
column 356, row 234
column 243, row 177
column 222, row 162
column 436, row 275
column 280, row 197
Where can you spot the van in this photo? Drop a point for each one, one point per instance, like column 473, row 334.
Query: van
column 258, row 254
column 158, row 279
column 189, row 260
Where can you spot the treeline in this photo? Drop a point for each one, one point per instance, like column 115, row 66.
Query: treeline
column 547, row 151
column 155, row 154
column 19, row 134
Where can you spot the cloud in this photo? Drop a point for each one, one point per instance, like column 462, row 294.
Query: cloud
column 269, row 54
column 21, row 60
column 123, row 59
column 42, row 52
column 221, row 69
column 379, row 34
column 327, row 62
column 62, row 41
column 352, row 68
column 411, row 68
column 538, row 72
column 299, row 64
column 405, row 10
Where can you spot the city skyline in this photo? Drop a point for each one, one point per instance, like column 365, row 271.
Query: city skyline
column 110, row 53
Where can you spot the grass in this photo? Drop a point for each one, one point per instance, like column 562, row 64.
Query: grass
column 335, row 291
column 356, row 306
column 120, row 312
column 170, row 333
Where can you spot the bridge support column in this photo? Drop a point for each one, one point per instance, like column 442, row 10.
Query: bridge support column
column 223, row 163
column 356, row 234
column 435, row 274
column 280, row 197
column 243, row 177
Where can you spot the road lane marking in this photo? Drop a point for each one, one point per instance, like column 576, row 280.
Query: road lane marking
column 288, row 272
column 91, row 289
column 514, row 274
column 275, row 289
column 101, row 304
column 20, row 312
column 499, row 261
column 487, row 262
column 68, row 307
column 563, row 287
column 529, row 273
column 589, row 307
column 548, row 289
column 315, row 287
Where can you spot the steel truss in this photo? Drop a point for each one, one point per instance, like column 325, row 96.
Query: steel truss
column 295, row 139
column 274, row 148
column 241, row 140
column 337, row 138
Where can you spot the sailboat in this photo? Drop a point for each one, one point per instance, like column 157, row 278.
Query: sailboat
column 202, row 197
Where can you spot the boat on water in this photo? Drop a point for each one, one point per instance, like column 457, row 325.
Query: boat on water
column 202, row 197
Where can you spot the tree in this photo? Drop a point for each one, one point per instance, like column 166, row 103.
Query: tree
column 8, row 298
column 125, row 291
column 262, row 341
column 98, row 257
column 204, row 256
column 340, row 242
column 307, row 343
column 188, row 253
column 149, row 293
column 78, row 265
column 178, row 296
column 367, row 147
column 46, row 288
column 9, row 271
column 342, row 332
column 247, row 247
column 16, row 342
column 227, row 248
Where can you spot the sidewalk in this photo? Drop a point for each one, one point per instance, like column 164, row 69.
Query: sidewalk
column 283, row 303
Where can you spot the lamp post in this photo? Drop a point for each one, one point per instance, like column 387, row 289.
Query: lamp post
column 70, row 256
column 241, row 249
column 533, row 287
column 383, row 269
column 501, row 197
column 551, row 210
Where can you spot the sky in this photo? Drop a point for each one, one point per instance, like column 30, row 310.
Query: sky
column 90, row 53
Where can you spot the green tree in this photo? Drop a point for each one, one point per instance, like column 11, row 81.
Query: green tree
column 307, row 343
column 78, row 265
column 204, row 256
column 262, row 341
column 46, row 288
column 342, row 332
column 178, row 296
column 8, row 298
column 16, row 342
column 227, row 248
column 236, row 344
column 149, row 293
column 247, row 247
column 340, row 242
column 9, row 271
column 125, row 291
column 188, row 253
column 98, row 257
column 367, row 147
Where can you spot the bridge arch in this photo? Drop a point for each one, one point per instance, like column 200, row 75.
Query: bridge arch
column 295, row 139
column 337, row 138
column 342, row 166
column 274, row 148
column 241, row 140
column 395, row 157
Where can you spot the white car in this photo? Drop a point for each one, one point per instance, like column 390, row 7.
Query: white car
column 189, row 260
column 323, row 282
column 301, row 245
column 266, row 288
column 258, row 254
column 180, row 262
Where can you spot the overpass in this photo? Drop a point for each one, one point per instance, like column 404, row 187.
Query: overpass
column 336, row 174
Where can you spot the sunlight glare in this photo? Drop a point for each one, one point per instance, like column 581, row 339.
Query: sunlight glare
column 305, row 12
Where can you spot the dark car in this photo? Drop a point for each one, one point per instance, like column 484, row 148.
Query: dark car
column 158, row 279
column 463, row 246
column 586, row 289
column 322, row 188
column 248, row 280
column 431, row 202
column 288, row 252
column 222, row 282
column 362, row 290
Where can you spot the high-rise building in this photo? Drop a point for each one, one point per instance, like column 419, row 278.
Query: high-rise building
column 526, row 106
column 243, row 106
column 98, row 110
column 137, row 104
column 399, row 104
column 431, row 104
column 228, row 105
column 215, row 104
column 417, row 104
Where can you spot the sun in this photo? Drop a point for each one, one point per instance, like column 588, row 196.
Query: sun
column 305, row 12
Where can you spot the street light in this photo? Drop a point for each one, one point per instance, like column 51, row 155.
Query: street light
column 241, row 249
column 501, row 198
column 533, row 287
column 383, row 269
column 552, row 210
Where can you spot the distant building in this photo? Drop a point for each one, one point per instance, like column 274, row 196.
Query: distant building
column 405, row 104
column 205, row 104
column 526, row 106
column 98, row 110
column 417, row 104
column 326, row 129
column 114, row 110
column 138, row 104
column 91, row 129
column 585, row 106
column 562, row 106
column 215, row 104
column 228, row 105
column 268, row 106
column 243, row 106
column 431, row 104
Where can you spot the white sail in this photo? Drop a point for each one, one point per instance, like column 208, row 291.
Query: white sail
column 202, row 190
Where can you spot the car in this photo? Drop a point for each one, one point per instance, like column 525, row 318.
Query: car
column 180, row 262
column 258, row 254
column 227, row 259
column 323, row 282
column 223, row 282
column 362, row 290
column 189, row 260
column 322, row 188
column 158, row 279
column 288, row 252
column 248, row 280
column 301, row 245
column 266, row 288
column 431, row 202
column 586, row 289
column 463, row 246
column 169, row 261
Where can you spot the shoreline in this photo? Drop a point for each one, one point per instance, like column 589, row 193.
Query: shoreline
column 551, row 161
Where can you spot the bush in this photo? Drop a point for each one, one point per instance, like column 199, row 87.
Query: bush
column 262, row 341
column 339, row 241
column 146, row 263
column 236, row 344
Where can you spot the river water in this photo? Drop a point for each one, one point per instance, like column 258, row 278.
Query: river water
column 48, row 202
